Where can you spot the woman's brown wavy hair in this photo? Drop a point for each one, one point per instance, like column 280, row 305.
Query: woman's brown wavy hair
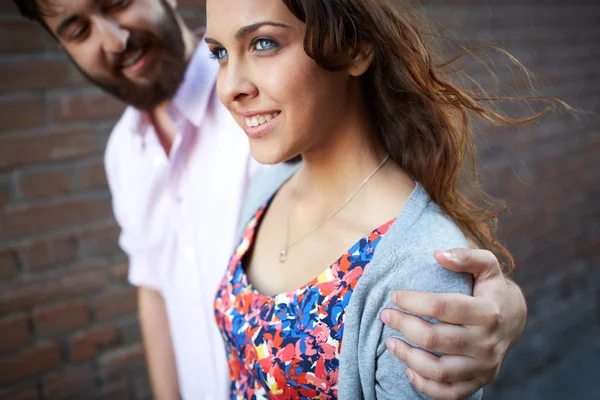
column 422, row 117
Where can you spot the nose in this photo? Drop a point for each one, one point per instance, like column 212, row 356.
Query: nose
column 114, row 37
column 235, row 84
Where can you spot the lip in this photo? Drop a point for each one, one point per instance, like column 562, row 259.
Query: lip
column 255, row 132
column 254, row 113
column 139, row 65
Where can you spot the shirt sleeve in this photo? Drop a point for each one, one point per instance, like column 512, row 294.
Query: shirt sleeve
column 142, row 272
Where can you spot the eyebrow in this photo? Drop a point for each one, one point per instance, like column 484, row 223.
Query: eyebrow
column 247, row 30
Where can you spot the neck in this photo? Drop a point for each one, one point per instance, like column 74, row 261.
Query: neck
column 163, row 124
column 333, row 170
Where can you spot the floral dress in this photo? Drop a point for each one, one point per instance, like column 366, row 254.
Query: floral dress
column 287, row 346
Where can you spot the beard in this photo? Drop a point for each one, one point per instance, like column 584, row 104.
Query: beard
column 169, row 65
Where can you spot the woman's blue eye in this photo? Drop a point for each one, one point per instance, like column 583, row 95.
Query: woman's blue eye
column 219, row 53
column 264, row 44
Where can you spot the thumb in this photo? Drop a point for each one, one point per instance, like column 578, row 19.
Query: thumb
column 483, row 264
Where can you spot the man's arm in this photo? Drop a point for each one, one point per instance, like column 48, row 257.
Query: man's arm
column 158, row 346
column 475, row 333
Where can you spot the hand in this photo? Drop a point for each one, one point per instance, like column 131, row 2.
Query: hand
column 475, row 333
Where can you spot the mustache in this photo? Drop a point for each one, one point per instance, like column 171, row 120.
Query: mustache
column 135, row 43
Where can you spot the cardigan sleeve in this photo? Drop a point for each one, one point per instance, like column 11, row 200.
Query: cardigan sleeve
column 415, row 268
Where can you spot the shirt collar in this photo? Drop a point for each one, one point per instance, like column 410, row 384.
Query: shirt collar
column 196, row 90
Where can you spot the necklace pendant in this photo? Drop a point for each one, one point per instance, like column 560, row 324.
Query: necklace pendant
column 283, row 255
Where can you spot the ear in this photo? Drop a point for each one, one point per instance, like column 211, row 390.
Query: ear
column 362, row 60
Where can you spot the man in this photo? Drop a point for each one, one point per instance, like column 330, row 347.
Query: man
column 178, row 168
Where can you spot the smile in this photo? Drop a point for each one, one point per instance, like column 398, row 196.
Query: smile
column 134, row 61
column 259, row 124
column 260, row 119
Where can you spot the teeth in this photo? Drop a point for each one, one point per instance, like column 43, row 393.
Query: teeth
column 260, row 119
column 133, row 58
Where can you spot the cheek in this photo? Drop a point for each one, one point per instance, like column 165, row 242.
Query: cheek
column 299, row 85
column 89, row 59
column 312, row 97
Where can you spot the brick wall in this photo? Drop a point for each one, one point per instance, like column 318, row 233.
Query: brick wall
column 68, row 326
column 549, row 172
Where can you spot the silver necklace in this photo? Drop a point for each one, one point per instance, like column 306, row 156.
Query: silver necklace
column 288, row 245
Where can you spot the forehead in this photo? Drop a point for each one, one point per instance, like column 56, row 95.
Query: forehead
column 58, row 8
column 220, row 19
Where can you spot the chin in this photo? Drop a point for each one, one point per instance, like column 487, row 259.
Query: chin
column 267, row 155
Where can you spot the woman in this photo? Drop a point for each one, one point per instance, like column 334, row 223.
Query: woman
column 351, row 88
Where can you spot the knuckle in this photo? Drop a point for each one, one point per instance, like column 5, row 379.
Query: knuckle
column 494, row 316
column 438, row 308
column 430, row 339
column 456, row 343
column 465, row 255
column 489, row 349
column 441, row 374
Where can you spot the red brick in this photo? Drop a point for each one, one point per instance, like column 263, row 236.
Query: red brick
column 43, row 253
column 32, row 37
column 116, row 363
column 29, row 362
column 3, row 195
column 84, row 345
column 120, row 270
column 59, row 286
column 60, row 318
column 90, row 104
column 66, row 384
column 27, row 220
column 100, row 239
column 47, row 183
column 46, row 145
column 7, row 264
column 30, row 393
column 113, row 391
column 22, row 112
column 24, row 74
column 114, row 303
column 93, row 176
column 14, row 332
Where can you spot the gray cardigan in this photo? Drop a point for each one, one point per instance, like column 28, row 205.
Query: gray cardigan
column 403, row 260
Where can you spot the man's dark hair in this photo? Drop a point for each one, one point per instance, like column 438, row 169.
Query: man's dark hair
column 29, row 9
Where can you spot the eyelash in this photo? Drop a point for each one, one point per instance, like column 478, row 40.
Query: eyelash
column 275, row 45
column 118, row 4
column 114, row 6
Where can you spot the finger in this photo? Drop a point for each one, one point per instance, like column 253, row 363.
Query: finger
column 445, row 369
column 453, row 308
column 483, row 264
column 442, row 338
column 441, row 390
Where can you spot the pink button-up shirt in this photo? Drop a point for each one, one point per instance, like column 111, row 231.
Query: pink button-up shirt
column 178, row 215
